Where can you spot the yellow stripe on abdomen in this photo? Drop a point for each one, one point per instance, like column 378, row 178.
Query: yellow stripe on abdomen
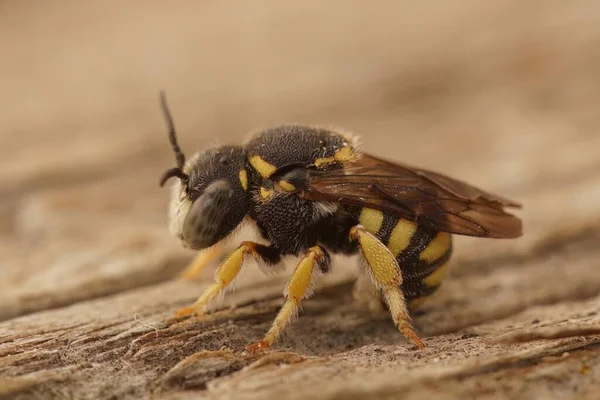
column 371, row 219
column 436, row 248
column 436, row 277
column 401, row 235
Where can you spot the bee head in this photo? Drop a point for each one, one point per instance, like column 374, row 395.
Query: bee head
column 210, row 200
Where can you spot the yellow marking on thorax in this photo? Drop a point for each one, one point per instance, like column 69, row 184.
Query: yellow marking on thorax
column 244, row 179
column 265, row 193
column 401, row 236
column 344, row 154
column 436, row 248
column 436, row 277
column 264, row 168
column 287, row 186
column 319, row 162
column 371, row 219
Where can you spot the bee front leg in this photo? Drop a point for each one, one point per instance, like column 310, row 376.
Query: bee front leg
column 387, row 275
column 297, row 289
column 227, row 272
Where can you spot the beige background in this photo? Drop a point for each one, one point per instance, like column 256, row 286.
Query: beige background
column 502, row 94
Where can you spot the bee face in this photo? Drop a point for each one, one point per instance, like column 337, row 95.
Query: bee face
column 210, row 199
column 213, row 200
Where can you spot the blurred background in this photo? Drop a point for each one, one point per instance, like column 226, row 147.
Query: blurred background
column 502, row 94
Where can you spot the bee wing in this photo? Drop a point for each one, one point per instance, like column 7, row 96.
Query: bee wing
column 429, row 198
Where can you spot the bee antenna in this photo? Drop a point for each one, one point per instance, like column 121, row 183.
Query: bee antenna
column 179, row 156
column 174, row 172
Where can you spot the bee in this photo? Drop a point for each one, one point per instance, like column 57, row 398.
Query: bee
column 311, row 192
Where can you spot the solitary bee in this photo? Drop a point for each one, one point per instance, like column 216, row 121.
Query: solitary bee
column 311, row 192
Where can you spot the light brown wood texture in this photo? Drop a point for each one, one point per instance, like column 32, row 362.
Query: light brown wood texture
column 503, row 95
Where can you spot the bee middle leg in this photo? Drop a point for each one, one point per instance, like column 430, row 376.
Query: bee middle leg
column 367, row 293
column 297, row 289
column 227, row 272
column 386, row 273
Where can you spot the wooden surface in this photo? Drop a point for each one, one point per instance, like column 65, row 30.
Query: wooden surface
column 504, row 96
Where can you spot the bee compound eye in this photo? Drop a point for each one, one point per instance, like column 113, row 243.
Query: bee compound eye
column 204, row 219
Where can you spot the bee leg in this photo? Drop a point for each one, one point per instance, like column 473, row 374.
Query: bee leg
column 227, row 272
column 297, row 289
column 202, row 259
column 366, row 293
column 386, row 273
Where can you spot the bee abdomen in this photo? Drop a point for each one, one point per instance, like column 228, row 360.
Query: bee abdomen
column 422, row 253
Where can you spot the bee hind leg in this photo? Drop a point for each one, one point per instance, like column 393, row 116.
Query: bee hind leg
column 297, row 289
column 386, row 273
column 228, row 271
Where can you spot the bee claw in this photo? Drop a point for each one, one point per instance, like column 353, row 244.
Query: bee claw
column 258, row 346
column 188, row 312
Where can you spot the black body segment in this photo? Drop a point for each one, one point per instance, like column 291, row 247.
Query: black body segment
column 297, row 146
column 285, row 220
column 279, row 160
column 267, row 255
column 293, row 223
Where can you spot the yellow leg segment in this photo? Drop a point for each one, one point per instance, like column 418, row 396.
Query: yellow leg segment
column 386, row 273
column 203, row 258
column 225, row 274
column 296, row 290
